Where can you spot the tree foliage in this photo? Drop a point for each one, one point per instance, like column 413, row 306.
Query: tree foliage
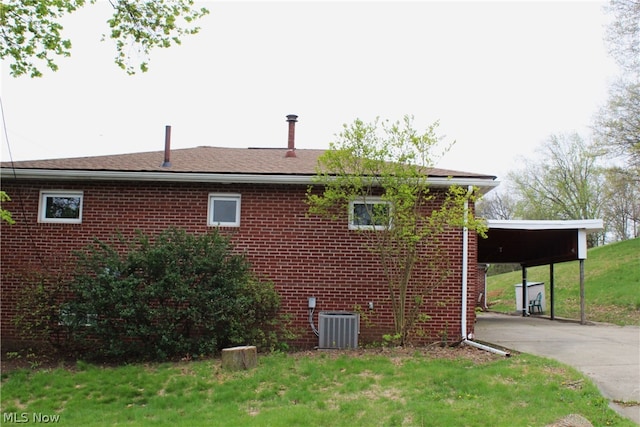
column 38, row 308
column 622, row 207
column 566, row 181
column 497, row 205
column 177, row 295
column 5, row 215
column 617, row 124
column 389, row 162
column 623, row 34
column 569, row 180
column 32, row 33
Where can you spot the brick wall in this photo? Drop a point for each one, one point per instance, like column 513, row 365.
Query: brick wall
column 303, row 255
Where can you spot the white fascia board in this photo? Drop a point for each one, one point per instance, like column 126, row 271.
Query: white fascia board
column 226, row 178
column 92, row 175
column 589, row 225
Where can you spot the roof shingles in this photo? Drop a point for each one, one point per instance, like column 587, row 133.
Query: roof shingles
column 204, row 159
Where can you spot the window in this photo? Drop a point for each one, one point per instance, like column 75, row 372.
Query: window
column 370, row 215
column 69, row 318
column 60, row 206
column 224, row 210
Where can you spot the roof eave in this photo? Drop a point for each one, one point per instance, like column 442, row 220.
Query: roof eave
column 485, row 184
column 589, row 225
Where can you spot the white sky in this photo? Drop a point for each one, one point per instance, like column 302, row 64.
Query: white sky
column 499, row 76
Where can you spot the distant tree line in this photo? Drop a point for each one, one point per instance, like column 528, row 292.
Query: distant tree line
column 574, row 178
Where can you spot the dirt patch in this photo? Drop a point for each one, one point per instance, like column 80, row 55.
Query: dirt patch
column 29, row 359
column 35, row 360
column 399, row 354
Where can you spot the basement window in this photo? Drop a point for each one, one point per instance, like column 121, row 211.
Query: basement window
column 372, row 214
column 224, row 210
column 69, row 318
column 60, row 206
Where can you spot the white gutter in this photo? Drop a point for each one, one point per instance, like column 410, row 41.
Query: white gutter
column 101, row 175
column 465, row 262
column 225, row 178
column 465, row 278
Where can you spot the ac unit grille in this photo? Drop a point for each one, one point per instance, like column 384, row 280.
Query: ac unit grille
column 338, row 330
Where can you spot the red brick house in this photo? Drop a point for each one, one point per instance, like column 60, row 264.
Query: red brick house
column 256, row 196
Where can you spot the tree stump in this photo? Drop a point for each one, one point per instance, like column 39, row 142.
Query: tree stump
column 572, row 420
column 238, row 358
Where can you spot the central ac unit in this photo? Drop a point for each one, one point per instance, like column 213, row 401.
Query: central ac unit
column 338, row 329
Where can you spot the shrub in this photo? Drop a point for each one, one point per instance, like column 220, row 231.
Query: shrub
column 178, row 294
column 38, row 308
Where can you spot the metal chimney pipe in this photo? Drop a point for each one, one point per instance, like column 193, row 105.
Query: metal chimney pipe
column 167, row 147
column 291, row 146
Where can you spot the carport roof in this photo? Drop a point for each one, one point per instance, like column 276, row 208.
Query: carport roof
column 532, row 243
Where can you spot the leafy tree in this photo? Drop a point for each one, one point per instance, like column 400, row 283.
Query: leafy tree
column 623, row 34
column 497, row 205
column 384, row 166
column 177, row 295
column 617, row 124
column 622, row 207
column 31, row 30
column 565, row 183
column 5, row 215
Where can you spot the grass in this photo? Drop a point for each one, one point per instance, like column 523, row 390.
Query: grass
column 612, row 285
column 366, row 388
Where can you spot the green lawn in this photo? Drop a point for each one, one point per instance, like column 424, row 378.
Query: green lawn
column 438, row 387
column 612, row 285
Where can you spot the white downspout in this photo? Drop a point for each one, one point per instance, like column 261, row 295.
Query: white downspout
column 486, row 348
column 465, row 278
column 465, row 262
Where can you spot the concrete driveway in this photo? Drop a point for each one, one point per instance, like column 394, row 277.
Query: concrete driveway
column 608, row 354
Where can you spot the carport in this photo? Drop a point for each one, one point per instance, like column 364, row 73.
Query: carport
column 532, row 243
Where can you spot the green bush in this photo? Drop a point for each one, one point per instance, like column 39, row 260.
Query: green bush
column 175, row 295
column 38, row 309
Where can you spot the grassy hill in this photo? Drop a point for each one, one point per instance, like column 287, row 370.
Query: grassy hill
column 612, row 285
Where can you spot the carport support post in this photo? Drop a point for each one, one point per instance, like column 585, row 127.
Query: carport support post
column 524, row 291
column 551, row 296
column 583, row 317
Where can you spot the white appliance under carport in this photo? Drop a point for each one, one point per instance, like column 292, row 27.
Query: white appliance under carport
column 533, row 289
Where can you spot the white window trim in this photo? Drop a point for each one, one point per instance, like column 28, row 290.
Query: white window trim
column 223, row 196
column 42, row 205
column 369, row 200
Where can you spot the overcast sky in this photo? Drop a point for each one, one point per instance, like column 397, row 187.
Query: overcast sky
column 500, row 77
